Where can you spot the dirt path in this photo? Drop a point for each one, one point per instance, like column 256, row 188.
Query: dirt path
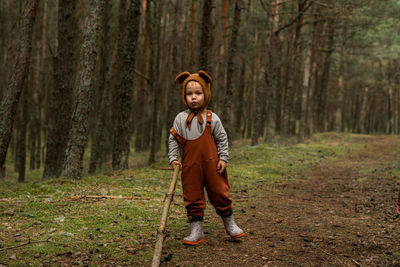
column 342, row 213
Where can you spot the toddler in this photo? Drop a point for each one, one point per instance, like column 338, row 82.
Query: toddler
column 199, row 136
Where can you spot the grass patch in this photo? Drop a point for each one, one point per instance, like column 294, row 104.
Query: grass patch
column 97, row 232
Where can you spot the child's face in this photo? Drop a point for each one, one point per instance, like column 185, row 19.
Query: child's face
column 194, row 95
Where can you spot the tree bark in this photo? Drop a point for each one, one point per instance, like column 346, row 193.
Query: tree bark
column 272, row 72
column 206, row 37
column 231, row 74
column 101, row 135
column 19, row 73
column 78, row 135
column 173, row 93
column 191, row 64
column 21, row 135
column 156, row 86
column 305, row 88
column 323, row 94
column 61, row 95
column 143, row 84
column 122, row 131
column 340, row 84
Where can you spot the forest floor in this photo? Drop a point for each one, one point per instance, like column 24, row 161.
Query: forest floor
column 327, row 202
column 341, row 212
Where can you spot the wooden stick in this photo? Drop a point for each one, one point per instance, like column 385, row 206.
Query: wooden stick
column 163, row 224
column 108, row 197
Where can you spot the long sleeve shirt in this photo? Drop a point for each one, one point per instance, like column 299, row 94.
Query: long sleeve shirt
column 196, row 130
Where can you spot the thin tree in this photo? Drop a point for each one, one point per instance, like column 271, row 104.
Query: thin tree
column 101, row 135
column 143, row 82
column 156, row 85
column 122, row 130
column 176, row 68
column 232, row 66
column 61, row 94
column 340, row 83
column 78, row 135
column 19, row 73
column 206, row 37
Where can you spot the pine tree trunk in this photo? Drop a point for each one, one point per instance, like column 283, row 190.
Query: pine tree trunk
column 19, row 73
column 272, row 73
column 21, row 135
column 143, row 83
column 239, row 102
column 305, row 88
column 156, row 86
column 205, row 40
column 259, row 100
column 191, row 63
column 220, row 66
column 101, row 135
column 232, row 65
column 340, row 84
column 78, row 136
column 61, row 95
column 173, row 93
column 122, row 130
column 322, row 108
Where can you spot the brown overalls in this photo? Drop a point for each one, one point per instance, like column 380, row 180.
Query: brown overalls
column 199, row 170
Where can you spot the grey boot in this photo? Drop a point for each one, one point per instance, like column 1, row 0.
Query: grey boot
column 231, row 227
column 196, row 235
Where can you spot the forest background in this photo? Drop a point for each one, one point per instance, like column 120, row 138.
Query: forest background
column 98, row 75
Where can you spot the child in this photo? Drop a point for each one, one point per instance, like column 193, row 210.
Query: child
column 200, row 135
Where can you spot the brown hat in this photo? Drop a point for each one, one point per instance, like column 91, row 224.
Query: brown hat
column 202, row 77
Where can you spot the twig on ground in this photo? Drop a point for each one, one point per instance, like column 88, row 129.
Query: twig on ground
column 108, row 197
column 356, row 262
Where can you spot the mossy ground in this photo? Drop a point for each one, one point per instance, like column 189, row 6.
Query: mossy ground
column 106, row 232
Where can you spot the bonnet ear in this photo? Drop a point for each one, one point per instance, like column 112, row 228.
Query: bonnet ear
column 205, row 76
column 182, row 77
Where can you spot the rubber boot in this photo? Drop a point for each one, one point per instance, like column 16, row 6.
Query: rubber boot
column 196, row 235
column 231, row 227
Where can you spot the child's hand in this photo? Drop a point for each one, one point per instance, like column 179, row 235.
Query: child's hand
column 398, row 209
column 221, row 166
column 175, row 162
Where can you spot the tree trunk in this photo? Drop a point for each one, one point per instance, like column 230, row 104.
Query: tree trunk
column 122, row 131
column 206, row 37
column 322, row 108
column 340, row 85
column 220, row 66
column 101, row 135
column 191, row 64
column 239, row 102
column 232, row 65
column 144, row 83
column 78, row 135
column 18, row 75
column 259, row 94
column 173, row 93
column 305, row 88
column 61, row 95
column 272, row 72
column 21, row 135
column 156, row 86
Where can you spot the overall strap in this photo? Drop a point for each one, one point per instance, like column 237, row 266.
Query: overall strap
column 209, row 117
column 180, row 139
